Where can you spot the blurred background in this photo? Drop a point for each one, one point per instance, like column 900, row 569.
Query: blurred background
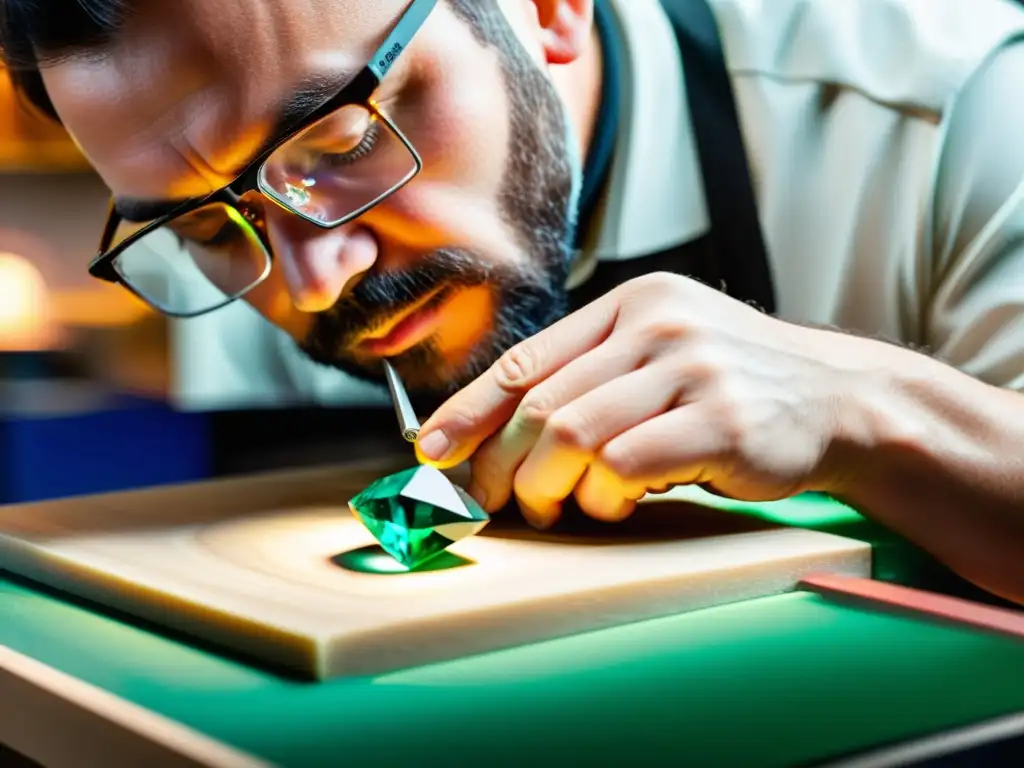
column 98, row 393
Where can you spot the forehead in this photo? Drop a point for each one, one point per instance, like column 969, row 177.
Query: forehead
column 193, row 88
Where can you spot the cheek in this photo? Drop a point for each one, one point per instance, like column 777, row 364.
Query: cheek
column 458, row 107
column 459, row 125
column 462, row 125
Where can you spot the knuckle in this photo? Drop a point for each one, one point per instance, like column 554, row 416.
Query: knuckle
column 731, row 425
column 568, row 430
column 701, row 362
column 659, row 281
column 704, row 368
column 534, row 412
column 654, row 286
column 663, row 333
column 622, row 463
column 517, row 367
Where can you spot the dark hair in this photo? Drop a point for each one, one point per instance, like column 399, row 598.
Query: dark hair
column 34, row 33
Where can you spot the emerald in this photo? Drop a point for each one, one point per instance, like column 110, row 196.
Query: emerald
column 417, row 514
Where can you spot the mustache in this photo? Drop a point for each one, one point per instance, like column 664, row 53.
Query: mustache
column 379, row 295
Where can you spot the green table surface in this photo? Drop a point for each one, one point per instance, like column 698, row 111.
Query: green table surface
column 785, row 680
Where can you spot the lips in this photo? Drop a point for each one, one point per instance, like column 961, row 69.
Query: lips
column 406, row 329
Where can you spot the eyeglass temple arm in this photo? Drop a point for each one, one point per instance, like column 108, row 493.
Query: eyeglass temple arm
column 400, row 36
column 113, row 222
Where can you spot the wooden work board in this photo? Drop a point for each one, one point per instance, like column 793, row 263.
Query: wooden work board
column 275, row 568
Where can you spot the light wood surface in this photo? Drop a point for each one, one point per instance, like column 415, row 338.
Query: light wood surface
column 61, row 722
column 273, row 567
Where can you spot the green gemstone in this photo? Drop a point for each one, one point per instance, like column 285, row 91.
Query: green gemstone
column 417, row 514
column 297, row 195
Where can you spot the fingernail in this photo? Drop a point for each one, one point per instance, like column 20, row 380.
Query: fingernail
column 435, row 446
column 479, row 494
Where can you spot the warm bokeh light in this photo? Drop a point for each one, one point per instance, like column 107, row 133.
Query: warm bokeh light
column 99, row 306
column 32, row 143
column 25, row 319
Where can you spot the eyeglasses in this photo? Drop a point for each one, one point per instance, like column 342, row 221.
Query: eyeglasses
column 334, row 166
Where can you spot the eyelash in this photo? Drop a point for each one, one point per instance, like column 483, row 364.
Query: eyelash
column 364, row 148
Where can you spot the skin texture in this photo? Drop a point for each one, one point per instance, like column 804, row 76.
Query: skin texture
column 758, row 420
column 661, row 382
column 665, row 382
column 485, row 229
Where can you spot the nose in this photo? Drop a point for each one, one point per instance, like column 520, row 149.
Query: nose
column 318, row 263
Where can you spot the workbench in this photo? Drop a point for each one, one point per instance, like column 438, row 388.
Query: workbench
column 791, row 679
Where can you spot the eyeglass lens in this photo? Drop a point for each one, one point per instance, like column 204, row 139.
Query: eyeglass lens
column 334, row 170
column 196, row 262
column 339, row 166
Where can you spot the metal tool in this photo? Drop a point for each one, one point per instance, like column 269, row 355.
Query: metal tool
column 407, row 420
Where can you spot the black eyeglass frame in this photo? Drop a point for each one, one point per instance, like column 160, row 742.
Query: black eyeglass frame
column 358, row 91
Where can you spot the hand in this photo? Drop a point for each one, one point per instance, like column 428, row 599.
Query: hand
column 661, row 382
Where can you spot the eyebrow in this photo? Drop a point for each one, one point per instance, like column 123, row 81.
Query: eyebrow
column 311, row 94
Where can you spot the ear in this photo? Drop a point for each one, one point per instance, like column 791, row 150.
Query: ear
column 565, row 28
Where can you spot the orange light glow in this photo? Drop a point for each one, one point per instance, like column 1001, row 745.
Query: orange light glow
column 31, row 143
column 98, row 306
column 25, row 321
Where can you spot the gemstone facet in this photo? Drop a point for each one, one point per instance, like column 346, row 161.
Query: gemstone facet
column 417, row 514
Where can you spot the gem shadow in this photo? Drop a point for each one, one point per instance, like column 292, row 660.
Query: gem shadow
column 374, row 560
column 653, row 521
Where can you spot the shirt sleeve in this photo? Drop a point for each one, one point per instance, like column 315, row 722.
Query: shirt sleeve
column 974, row 316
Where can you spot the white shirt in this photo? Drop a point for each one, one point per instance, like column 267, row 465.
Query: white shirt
column 886, row 139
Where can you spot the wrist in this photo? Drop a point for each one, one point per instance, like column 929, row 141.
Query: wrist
column 883, row 395
column 909, row 418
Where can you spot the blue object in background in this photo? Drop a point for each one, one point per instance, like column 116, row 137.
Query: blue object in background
column 60, row 438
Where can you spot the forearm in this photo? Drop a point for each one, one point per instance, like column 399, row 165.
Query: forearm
column 945, row 468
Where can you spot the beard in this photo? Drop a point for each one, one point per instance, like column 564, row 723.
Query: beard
column 526, row 302
column 537, row 203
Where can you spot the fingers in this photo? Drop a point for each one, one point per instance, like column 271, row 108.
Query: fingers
column 603, row 495
column 575, row 433
column 680, row 447
column 469, row 417
column 497, row 460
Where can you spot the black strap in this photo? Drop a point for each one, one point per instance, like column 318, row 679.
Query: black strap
column 739, row 252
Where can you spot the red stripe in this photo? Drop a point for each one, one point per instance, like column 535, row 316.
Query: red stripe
column 1001, row 620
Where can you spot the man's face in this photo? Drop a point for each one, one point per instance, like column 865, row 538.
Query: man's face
column 441, row 277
